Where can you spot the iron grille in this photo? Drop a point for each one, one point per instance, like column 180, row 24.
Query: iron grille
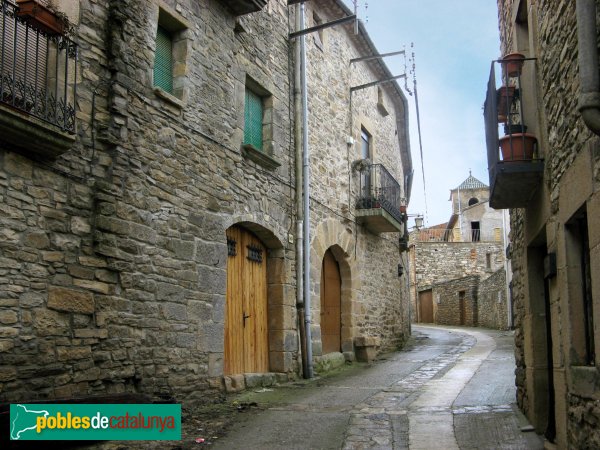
column 255, row 253
column 379, row 189
column 231, row 247
column 38, row 70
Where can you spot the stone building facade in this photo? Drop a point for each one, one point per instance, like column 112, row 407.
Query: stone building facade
column 456, row 301
column 125, row 238
column 450, row 263
column 556, row 232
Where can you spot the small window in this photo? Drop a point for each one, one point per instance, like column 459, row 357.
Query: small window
column 473, row 201
column 475, row 232
column 488, row 261
column 163, row 60
column 498, row 234
column 258, row 144
column 170, row 56
column 365, row 143
column 253, row 119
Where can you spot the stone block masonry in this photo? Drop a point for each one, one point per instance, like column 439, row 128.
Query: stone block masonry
column 112, row 259
column 113, row 256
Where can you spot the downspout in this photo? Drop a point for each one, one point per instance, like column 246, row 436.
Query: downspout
column 589, row 96
column 306, row 183
column 298, row 199
column 507, row 275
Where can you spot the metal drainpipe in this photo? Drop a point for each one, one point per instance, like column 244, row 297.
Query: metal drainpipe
column 589, row 96
column 299, row 182
column 507, row 275
column 306, row 180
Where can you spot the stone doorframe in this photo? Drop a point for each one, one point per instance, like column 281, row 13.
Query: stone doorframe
column 283, row 341
column 332, row 234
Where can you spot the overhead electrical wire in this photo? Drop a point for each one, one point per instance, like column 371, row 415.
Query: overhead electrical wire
column 419, row 132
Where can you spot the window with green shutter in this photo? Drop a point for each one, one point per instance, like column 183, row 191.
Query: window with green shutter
column 163, row 60
column 253, row 120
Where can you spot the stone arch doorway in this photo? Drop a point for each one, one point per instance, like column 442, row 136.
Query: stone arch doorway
column 331, row 303
column 333, row 236
column 246, row 345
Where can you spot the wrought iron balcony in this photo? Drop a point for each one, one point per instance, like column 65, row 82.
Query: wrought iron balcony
column 380, row 200
column 37, row 83
column 241, row 7
column 514, row 178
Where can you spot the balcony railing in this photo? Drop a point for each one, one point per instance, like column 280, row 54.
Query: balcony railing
column 455, row 235
column 38, row 70
column 381, row 192
column 515, row 177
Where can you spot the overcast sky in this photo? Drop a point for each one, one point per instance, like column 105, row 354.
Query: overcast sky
column 454, row 43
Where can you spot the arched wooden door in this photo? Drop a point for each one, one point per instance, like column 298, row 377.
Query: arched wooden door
column 246, row 327
column 331, row 300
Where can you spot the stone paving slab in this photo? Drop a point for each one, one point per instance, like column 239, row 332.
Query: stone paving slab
column 442, row 394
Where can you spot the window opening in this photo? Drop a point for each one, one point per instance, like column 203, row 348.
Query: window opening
column 253, row 120
column 475, row 232
column 163, row 61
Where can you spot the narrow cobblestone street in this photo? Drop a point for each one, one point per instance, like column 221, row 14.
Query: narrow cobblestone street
column 453, row 389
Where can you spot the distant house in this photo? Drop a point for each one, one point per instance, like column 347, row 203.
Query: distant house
column 458, row 267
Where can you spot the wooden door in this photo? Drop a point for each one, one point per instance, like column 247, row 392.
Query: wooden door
column 426, row 306
column 246, row 329
column 331, row 301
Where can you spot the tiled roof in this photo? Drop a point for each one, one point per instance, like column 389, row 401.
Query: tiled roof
column 472, row 183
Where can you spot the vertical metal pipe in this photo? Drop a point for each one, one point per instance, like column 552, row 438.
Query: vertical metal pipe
column 506, row 270
column 589, row 96
column 298, row 199
column 306, row 181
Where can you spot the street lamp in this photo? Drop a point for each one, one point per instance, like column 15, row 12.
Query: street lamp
column 418, row 222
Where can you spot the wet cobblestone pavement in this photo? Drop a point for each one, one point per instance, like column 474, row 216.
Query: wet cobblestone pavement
column 452, row 389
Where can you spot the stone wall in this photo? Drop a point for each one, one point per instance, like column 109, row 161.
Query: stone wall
column 493, row 310
column 443, row 261
column 450, row 267
column 447, row 302
column 376, row 298
column 113, row 257
column 547, row 30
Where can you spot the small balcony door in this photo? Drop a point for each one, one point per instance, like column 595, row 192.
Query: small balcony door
column 331, row 302
column 365, row 153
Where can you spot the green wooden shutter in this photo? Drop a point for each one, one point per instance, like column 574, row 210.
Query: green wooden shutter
column 163, row 60
column 253, row 118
